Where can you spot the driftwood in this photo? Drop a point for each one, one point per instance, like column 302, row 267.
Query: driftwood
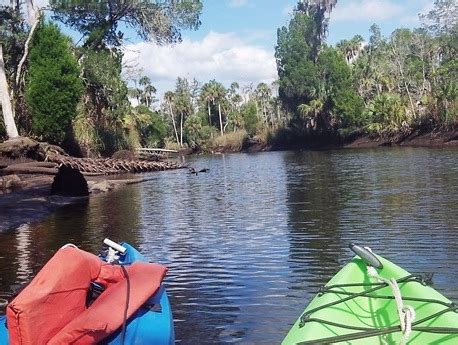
column 31, row 168
column 49, row 158
column 101, row 166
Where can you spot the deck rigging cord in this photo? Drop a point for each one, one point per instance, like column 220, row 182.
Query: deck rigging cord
column 124, row 322
column 366, row 332
column 406, row 313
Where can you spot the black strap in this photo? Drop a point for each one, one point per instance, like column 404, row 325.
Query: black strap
column 366, row 332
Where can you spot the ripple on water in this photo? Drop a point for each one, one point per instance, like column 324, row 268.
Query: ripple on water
column 249, row 243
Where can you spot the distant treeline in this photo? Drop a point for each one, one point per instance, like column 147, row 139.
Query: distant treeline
column 75, row 95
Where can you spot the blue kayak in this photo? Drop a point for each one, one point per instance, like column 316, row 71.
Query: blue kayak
column 151, row 324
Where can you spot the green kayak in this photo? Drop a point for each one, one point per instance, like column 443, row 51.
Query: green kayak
column 373, row 301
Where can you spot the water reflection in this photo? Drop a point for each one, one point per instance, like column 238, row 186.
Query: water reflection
column 249, row 243
column 313, row 219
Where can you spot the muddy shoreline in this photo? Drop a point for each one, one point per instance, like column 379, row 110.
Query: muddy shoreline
column 32, row 200
column 417, row 138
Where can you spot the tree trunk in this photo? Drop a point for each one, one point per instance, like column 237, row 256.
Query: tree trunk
column 209, row 115
column 173, row 122
column 34, row 19
column 401, row 71
column 7, row 109
column 181, row 129
column 220, row 119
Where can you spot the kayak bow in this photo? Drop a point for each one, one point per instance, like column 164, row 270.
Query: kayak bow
column 362, row 304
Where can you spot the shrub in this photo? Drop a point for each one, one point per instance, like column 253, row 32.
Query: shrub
column 53, row 87
column 250, row 118
column 232, row 141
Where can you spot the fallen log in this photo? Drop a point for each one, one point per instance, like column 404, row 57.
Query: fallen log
column 17, row 169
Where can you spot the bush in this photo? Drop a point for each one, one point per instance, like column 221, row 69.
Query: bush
column 86, row 136
column 196, row 134
column 148, row 127
column 53, row 88
column 385, row 110
column 250, row 118
column 232, row 142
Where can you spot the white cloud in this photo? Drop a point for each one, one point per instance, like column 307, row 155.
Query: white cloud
column 221, row 56
column 366, row 10
column 414, row 19
column 238, row 3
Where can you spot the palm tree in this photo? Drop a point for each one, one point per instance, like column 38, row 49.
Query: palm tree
column 206, row 96
column 169, row 97
column 219, row 93
column 149, row 91
column 214, row 92
column 311, row 112
column 263, row 93
column 183, row 102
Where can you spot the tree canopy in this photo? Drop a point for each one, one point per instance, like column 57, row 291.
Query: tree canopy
column 100, row 21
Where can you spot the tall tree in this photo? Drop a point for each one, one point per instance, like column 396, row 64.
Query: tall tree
column 296, row 62
column 207, row 97
column 169, row 98
column 54, row 88
column 219, row 93
column 319, row 10
column 159, row 21
column 11, row 30
column 183, row 102
column 442, row 18
column 7, row 110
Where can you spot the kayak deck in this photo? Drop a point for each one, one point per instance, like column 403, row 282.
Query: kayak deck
column 352, row 305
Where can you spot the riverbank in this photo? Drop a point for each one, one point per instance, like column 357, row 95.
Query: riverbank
column 416, row 138
column 287, row 139
column 28, row 196
column 30, row 200
column 28, row 169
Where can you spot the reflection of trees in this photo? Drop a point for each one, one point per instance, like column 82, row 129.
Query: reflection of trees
column 178, row 231
column 85, row 224
column 115, row 215
column 313, row 203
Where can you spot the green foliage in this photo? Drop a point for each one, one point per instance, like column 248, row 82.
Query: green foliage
column 385, row 111
column 106, row 92
column 12, row 37
column 344, row 104
column 151, row 127
column 86, row 135
column 53, row 88
column 348, row 106
column 295, row 62
column 160, row 21
column 250, row 118
column 197, row 134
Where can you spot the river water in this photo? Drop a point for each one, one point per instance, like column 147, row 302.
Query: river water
column 249, row 243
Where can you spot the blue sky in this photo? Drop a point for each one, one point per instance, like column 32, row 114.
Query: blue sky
column 237, row 38
column 259, row 19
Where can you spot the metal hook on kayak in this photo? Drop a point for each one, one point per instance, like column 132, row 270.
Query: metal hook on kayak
column 367, row 256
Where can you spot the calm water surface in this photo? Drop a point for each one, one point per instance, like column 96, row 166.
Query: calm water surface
column 249, row 243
